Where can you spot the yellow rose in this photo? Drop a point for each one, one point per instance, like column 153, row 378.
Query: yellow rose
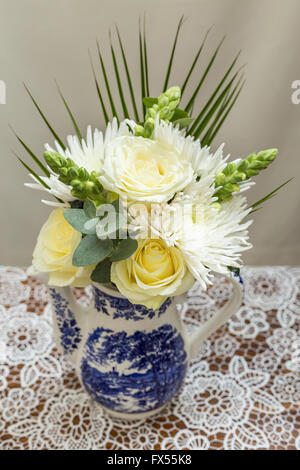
column 54, row 250
column 144, row 169
column 153, row 273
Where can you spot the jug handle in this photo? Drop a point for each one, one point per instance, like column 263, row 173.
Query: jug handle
column 211, row 325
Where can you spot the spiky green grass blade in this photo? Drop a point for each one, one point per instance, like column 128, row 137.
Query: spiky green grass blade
column 213, row 109
column 31, row 154
column 32, row 172
column 69, row 112
column 268, row 196
column 111, row 101
column 142, row 70
column 202, row 79
column 106, row 118
column 214, row 94
column 169, row 68
column 128, row 77
column 183, row 87
column 146, row 59
column 36, row 176
column 56, row 137
column 222, row 115
column 117, row 74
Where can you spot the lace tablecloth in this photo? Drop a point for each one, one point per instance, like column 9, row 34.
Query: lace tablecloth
column 242, row 392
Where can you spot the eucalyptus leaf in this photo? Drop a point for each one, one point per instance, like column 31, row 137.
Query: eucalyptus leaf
column 77, row 218
column 108, row 226
column 91, row 250
column 89, row 209
column 90, row 225
column 101, row 272
column 125, row 249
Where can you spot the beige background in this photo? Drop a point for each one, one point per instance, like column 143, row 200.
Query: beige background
column 42, row 40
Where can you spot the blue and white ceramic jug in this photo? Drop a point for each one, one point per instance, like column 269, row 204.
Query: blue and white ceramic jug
column 130, row 359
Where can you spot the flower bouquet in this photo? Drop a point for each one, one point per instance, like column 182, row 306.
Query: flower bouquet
column 142, row 211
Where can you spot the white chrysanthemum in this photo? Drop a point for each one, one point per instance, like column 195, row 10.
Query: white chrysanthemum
column 214, row 237
column 204, row 163
column 210, row 237
column 88, row 154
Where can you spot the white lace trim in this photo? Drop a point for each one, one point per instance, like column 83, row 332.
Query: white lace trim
column 242, row 392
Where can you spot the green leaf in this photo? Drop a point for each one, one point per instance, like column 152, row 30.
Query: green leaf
column 121, row 94
column 106, row 118
column 108, row 225
column 125, row 249
column 32, row 155
column 77, row 218
column 89, row 209
column 194, row 95
column 169, row 68
column 183, row 87
column 179, row 114
column 101, row 272
column 269, row 196
column 45, row 120
column 234, row 270
column 128, row 77
column 112, row 104
column 70, row 114
column 91, row 250
column 149, row 102
column 183, row 122
column 90, row 225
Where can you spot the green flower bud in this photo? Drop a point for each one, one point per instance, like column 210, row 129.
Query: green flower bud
column 242, row 166
column 227, row 181
column 250, row 173
column 166, row 104
column 139, row 130
column 231, row 188
column 229, row 169
column 84, row 185
column 220, row 179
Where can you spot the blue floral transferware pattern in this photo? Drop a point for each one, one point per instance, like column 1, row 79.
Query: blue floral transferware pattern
column 119, row 307
column 131, row 360
column 133, row 373
column 70, row 333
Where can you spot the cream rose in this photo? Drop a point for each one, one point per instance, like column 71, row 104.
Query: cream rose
column 54, row 250
column 153, row 273
column 144, row 169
